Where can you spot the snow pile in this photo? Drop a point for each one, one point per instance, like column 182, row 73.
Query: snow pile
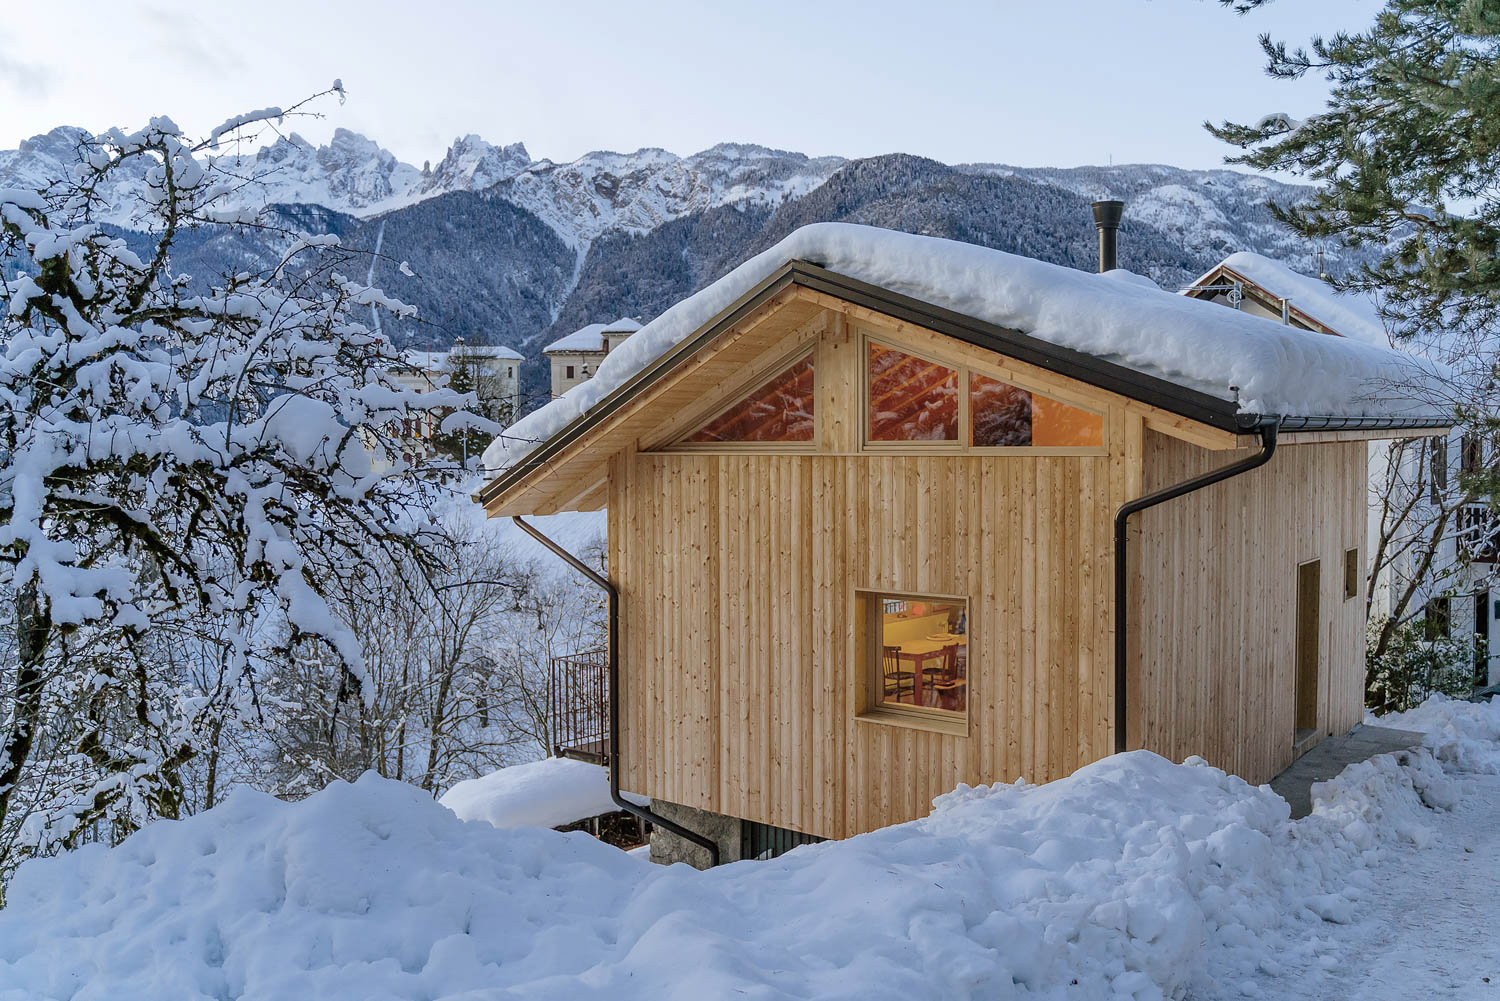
column 1132, row 878
column 1198, row 345
column 547, row 793
column 1389, row 795
column 1464, row 736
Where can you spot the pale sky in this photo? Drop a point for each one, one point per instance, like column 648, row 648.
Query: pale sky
column 1026, row 82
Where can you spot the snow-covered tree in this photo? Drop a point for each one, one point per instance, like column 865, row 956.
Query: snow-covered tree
column 176, row 450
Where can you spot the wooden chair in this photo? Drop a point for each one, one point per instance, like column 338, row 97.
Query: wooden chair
column 897, row 681
column 951, row 687
column 949, row 692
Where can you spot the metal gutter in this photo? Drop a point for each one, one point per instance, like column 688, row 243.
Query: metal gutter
column 614, row 697
column 1290, row 423
column 1267, row 429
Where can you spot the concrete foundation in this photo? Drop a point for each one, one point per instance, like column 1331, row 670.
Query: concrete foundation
column 1331, row 755
column 667, row 848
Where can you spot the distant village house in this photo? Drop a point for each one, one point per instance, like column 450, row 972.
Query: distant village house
column 575, row 358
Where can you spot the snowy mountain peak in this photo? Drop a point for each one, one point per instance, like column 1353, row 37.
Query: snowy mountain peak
column 637, row 192
column 471, row 164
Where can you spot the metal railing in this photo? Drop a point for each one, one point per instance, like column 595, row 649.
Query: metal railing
column 578, row 705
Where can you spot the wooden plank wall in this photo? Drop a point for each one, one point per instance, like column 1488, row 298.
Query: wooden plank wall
column 1214, row 650
column 739, row 685
column 738, row 573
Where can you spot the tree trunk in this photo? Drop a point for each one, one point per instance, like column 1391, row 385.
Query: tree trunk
column 33, row 628
column 213, row 763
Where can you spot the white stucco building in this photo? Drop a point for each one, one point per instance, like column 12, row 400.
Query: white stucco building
column 575, row 358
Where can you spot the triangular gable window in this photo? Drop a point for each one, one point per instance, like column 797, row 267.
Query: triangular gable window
column 781, row 410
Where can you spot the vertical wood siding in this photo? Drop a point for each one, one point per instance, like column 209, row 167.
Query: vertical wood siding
column 737, row 577
column 738, row 572
column 1216, row 573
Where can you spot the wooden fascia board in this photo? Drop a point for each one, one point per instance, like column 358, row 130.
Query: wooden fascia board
column 587, row 431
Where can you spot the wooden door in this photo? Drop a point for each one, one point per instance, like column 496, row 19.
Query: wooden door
column 1309, row 650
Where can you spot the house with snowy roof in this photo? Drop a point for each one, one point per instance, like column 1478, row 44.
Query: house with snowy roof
column 890, row 513
column 1416, row 501
column 576, row 357
column 494, row 371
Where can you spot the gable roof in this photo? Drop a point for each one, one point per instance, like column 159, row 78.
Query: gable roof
column 1115, row 331
column 1346, row 313
column 591, row 337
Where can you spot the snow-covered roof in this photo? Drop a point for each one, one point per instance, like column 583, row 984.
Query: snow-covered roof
column 547, row 793
column 1259, row 366
column 427, row 361
column 437, row 361
column 591, row 337
column 494, row 351
column 1347, row 313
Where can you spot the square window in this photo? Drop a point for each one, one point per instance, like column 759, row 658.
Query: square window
column 911, row 399
column 1437, row 619
column 918, row 653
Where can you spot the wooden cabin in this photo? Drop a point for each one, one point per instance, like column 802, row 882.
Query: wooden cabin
column 863, row 542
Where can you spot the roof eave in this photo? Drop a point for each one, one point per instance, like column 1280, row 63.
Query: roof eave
column 1194, row 405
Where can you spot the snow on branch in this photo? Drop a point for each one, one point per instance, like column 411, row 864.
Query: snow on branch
column 227, row 450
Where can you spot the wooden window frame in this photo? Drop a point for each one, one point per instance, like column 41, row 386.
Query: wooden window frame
column 869, row 706
column 964, row 443
column 803, row 351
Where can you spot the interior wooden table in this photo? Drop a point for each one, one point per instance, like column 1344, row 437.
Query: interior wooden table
column 919, row 652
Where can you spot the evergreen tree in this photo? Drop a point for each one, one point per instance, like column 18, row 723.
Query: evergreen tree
column 1407, row 152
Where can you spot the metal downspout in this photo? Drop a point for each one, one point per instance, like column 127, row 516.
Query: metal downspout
column 614, row 698
column 1267, row 430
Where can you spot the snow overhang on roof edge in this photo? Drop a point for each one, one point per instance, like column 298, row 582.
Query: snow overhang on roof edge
column 1193, row 404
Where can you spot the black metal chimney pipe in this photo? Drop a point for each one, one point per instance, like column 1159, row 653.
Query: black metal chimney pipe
column 1107, row 218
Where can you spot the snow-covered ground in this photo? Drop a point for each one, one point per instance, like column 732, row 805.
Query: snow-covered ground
column 1133, row 878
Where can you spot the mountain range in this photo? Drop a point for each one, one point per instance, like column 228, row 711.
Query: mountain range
column 506, row 249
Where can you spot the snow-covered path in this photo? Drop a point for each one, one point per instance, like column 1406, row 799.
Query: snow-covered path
column 1427, row 928
column 1133, row 878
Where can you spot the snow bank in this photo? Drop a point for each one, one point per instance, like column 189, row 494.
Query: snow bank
column 547, row 793
column 1132, row 878
column 1465, row 736
column 1195, row 344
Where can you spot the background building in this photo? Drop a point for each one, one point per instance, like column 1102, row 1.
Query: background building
column 576, row 357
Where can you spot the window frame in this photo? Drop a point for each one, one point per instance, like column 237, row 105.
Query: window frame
column 964, row 443
column 869, row 704
column 1351, row 574
column 803, row 351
